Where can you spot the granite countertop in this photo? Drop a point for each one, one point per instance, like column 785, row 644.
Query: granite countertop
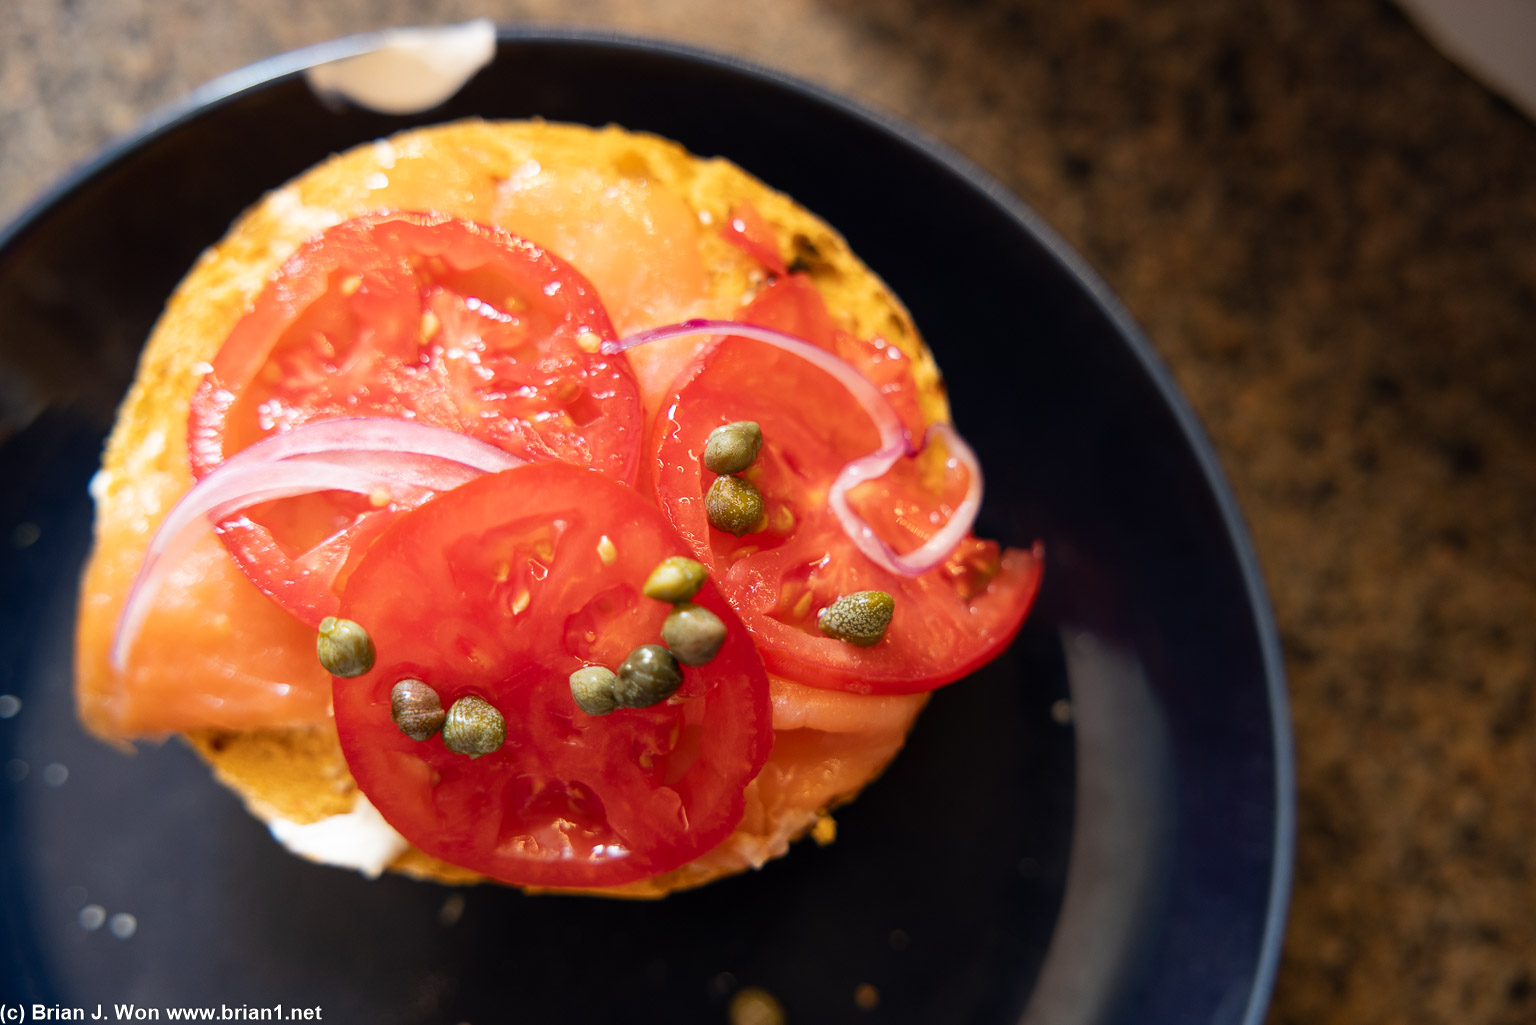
column 1328, row 231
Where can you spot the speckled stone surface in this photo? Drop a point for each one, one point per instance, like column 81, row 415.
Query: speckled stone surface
column 1329, row 232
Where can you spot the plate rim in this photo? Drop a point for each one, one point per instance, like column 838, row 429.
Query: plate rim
column 271, row 70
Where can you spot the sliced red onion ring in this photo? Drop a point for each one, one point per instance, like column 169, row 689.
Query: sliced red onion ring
column 860, row 387
column 937, row 548
column 407, row 461
column 380, row 434
column 894, row 444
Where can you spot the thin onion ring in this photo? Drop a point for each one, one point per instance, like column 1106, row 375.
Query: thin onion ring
column 360, row 455
column 936, row 549
column 380, row 434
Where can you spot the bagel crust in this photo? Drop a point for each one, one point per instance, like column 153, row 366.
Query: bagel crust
column 520, row 176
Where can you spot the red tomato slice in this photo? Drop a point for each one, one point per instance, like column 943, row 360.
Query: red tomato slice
column 501, row 589
column 420, row 317
column 794, row 305
column 947, row 622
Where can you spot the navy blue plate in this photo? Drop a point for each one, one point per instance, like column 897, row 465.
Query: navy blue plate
column 1095, row 828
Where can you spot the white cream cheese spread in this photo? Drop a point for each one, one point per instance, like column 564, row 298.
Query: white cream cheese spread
column 412, row 69
column 359, row 839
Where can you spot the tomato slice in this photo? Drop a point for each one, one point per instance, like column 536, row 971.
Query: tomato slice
column 501, row 589
column 947, row 621
column 419, row 317
column 794, row 305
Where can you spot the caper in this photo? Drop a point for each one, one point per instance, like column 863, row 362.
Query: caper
column 733, row 447
column 474, row 727
column 416, row 709
column 592, row 687
column 648, row 676
column 734, row 506
column 676, row 579
column 859, row 618
column 345, row 649
column 694, row 634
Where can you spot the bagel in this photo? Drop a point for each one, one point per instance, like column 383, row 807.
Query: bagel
column 640, row 218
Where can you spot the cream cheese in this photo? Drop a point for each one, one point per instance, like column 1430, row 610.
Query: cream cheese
column 359, row 839
column 412, row 69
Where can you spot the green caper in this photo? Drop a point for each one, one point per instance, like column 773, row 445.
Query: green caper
column 416, row 709
column 734, row 506
column 676, row 579
column 733, row 447
column 647, row 677
column 474, row 727
column 859, row 618
column 592, row 687
column 694, row 634
column 345, row 649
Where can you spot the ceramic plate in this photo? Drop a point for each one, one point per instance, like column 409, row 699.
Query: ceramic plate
column 1094, row 828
